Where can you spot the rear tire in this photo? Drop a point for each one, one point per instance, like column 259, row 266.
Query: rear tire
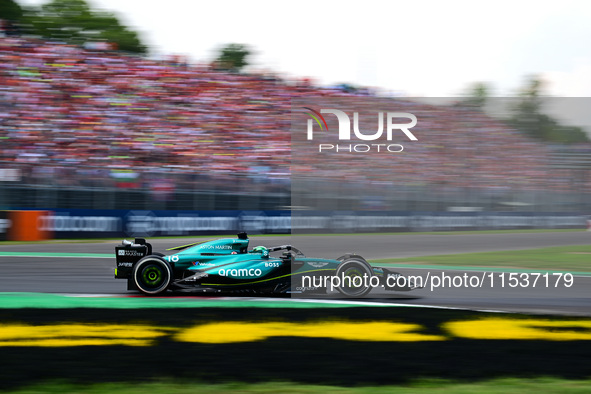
column 354, row 268
column 152, row 275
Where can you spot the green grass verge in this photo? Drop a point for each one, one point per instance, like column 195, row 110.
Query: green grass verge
column 459, row 232
column 451, row 233
column 560, row 258
column 508, row 385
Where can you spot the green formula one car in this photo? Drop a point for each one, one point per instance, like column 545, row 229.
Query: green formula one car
column 225, row 266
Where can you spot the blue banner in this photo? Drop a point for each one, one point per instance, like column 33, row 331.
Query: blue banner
column 88, row 223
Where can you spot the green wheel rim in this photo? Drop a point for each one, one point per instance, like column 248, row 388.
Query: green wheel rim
column 152, row 276
column 353, row 273
column 351, row 287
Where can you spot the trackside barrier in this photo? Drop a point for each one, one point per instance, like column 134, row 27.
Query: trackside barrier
column 4, row 225
column 87, row 223
column 23, row 226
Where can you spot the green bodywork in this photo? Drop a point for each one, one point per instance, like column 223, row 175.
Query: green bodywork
column 224, row 264
column 229, row 258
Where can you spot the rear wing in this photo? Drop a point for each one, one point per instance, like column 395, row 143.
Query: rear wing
column 129, row 253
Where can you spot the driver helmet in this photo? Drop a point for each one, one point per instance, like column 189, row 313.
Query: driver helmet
column 262, row 250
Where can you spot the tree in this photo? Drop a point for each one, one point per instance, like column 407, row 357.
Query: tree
column 233, row 57
column 529, row 119
column 10, row 10
column 10, row 16
column 476, row 96
column 75, row 22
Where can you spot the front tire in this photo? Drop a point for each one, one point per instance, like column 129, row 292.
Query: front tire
column 354, row 274
column 152, row 275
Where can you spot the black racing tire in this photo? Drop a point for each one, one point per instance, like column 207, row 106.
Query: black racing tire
column 352, row 268
column 152, row 275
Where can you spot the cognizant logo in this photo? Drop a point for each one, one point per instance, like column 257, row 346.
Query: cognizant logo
column 393, row 127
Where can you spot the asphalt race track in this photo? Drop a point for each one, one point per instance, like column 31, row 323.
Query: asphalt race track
column 94, row 275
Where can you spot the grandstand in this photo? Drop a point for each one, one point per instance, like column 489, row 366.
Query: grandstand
column 98, row 129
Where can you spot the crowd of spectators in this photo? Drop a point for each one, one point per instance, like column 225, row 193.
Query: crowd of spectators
column 457, row 148
column 69, row 115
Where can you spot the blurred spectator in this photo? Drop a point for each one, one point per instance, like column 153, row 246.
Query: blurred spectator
column 71, row 114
